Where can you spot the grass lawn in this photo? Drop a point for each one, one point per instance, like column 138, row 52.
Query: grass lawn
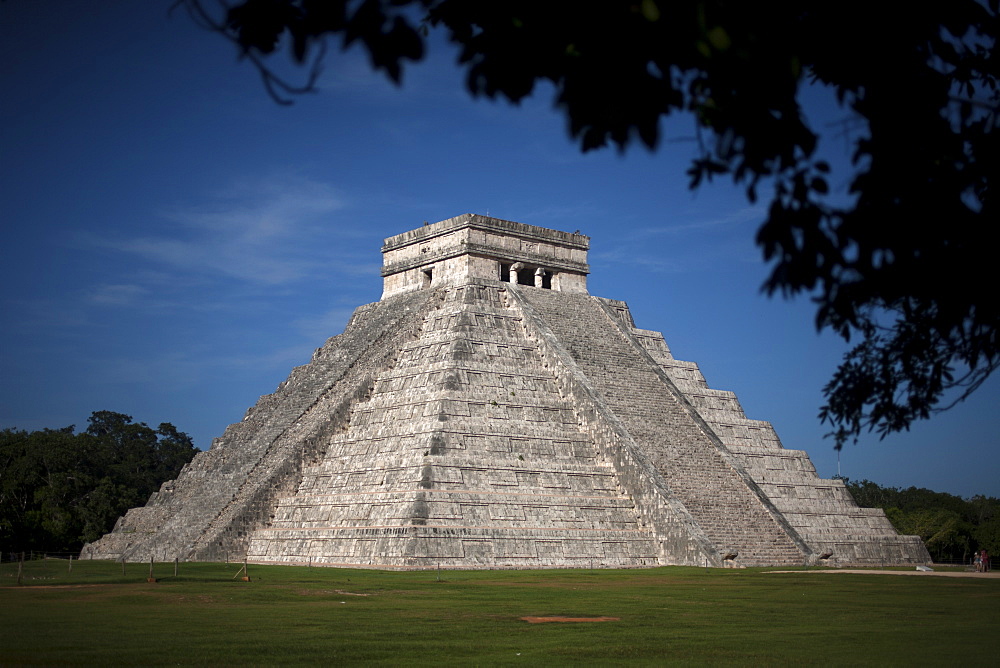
column 324, row 616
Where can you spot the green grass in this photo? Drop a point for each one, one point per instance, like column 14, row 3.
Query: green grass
column 321, row 616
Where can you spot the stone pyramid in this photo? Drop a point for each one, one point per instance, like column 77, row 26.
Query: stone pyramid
column 488, row 412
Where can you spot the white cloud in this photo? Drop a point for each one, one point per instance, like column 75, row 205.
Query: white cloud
column 700, row 244
column 268, row 231
column 116, row 294
column 734, row 219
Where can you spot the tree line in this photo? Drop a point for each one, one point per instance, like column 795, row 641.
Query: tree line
column 951, row 527
column 60, row 489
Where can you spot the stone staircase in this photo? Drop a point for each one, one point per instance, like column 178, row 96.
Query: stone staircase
column 699, row 473
column 464, row 455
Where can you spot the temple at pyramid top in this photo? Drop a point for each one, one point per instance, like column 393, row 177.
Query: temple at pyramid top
column 471, row 246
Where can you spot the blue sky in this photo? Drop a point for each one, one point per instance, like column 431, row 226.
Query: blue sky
column 173, row 242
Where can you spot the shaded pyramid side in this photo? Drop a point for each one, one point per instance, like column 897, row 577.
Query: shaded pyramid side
column 208, row 512
column 466, row 455
column 822, row 511
column 734, row 514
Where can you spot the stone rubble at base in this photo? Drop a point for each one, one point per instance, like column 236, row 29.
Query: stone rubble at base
column 488, row 412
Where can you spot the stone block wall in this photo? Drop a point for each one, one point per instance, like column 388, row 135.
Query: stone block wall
column 471, row 247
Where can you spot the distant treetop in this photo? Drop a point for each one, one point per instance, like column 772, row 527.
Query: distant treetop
column 59, row 490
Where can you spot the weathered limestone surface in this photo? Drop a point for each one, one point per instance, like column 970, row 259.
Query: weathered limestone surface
column 208, row 512
column 489, row 413
column 474, row 247
column 733, row 513
column 822, row 511
column 464, row 455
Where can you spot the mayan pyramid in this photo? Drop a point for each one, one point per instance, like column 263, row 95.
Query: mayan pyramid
column 488, row 412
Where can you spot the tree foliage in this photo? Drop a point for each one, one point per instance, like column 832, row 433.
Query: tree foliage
column 59, row 489
column 901, row 268
column 950, row 526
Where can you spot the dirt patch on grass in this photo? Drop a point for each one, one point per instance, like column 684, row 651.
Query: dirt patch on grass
column 543, row 620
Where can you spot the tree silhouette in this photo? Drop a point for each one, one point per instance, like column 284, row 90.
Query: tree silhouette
column 904, row 268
